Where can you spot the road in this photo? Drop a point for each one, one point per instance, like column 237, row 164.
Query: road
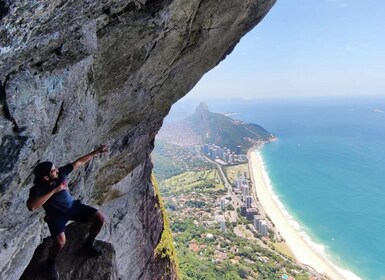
column 237, row 201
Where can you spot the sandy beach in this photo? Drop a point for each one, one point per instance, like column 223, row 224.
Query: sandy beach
column 301, row 249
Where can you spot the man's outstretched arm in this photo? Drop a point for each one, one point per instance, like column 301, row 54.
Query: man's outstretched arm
column 82, row 160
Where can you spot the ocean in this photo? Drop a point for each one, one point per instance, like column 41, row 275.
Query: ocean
column 328, row 171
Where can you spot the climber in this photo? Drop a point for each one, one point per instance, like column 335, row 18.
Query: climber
column 50, row 190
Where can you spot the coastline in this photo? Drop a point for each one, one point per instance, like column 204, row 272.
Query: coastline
column 297, row 242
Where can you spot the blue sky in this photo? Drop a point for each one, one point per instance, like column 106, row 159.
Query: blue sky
column 305, row 48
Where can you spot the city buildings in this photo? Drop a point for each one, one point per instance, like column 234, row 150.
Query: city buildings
column 223, row 203
column 249, row 200
column 247, row 209
column 256, row 220
column 245, row 190
column 223, row 155
column 223, row 226
column 250, row 213
column 260, row 225
column 263, row 228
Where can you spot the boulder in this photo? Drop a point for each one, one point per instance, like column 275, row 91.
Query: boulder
column 73, row 262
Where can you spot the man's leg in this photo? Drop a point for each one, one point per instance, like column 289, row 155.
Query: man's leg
column 57, row 245
column 97, row 220
column 56, row 225
column 85, row 214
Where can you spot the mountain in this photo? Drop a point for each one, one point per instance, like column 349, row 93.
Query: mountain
column 221, row 130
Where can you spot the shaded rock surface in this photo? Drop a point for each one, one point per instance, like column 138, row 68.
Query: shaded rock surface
column 73, row 262
column 75, row 74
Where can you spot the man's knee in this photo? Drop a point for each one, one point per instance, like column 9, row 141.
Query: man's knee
column 60, row 240
column 98, row 218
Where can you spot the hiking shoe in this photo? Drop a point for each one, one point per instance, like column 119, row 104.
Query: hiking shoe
column 51, row 271
column 92, row 250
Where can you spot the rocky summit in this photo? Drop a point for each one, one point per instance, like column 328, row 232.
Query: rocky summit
column 75, row 74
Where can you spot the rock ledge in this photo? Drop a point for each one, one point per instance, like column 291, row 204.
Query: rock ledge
column 72, row 262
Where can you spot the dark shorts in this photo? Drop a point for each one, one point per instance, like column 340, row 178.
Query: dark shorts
column 79, row 212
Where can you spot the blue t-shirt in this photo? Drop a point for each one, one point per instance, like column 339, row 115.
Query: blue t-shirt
column 59, row 202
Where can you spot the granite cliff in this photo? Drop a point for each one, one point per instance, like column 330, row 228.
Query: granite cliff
column 75, row 74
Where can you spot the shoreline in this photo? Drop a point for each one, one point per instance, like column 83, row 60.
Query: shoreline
column 295, row 240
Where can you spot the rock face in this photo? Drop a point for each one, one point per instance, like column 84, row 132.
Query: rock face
column 75, row 74
column 74, row 262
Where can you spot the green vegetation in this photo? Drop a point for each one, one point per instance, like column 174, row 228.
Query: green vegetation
column 226, row 255
column 201, row 181
column 283, row 248
column 205, row 252
column 235, row 171
column 165, row 248
column 171, row 160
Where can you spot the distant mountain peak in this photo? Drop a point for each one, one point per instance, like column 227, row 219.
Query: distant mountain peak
column 202, row 107
column 205, row 127
column 219, row 129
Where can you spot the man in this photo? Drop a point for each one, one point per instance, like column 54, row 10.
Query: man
column 50, row 190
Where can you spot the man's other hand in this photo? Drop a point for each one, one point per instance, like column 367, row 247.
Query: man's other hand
column 61, row 187
column 103, row 148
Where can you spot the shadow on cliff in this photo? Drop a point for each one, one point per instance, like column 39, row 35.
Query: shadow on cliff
column 72, row 262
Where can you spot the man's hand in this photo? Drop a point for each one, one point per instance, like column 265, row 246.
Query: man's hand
column 82, row 160
column 61, row 187
column 103, row 148
column 34, row 203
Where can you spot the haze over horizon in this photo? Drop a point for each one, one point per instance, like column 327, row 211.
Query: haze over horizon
column 305, row 48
